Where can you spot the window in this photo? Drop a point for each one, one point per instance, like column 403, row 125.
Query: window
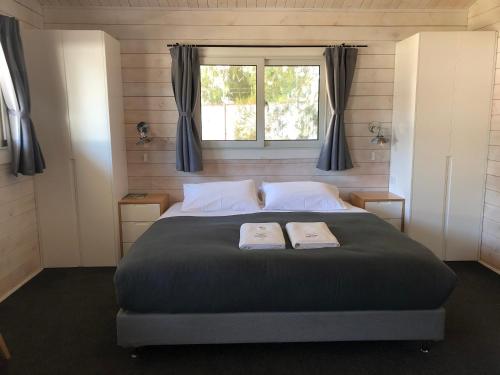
column 292, row 106
column 229, row 102
column 255, row 102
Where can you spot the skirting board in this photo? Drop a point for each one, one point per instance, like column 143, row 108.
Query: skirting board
column 24, row 281
column 136, row 330
column 489, row 267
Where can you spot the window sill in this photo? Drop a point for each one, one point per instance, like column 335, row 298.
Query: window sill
column 261, row 153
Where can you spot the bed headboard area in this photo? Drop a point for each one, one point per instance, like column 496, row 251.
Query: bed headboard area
column 144, row 33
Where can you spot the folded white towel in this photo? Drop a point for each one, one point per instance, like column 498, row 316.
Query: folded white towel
column 311, row 235
column 257, row 236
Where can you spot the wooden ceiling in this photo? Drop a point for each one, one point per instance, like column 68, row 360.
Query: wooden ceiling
column 305, row 4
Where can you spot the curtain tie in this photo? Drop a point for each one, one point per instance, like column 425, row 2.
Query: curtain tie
column 13, row 112
column 185, row 114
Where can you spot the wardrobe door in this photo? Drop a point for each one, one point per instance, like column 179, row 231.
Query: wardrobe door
column 474, row 76
column 432, row 143
column 90, row 136
column 117, row 130
column 54, row 188
column 403, row 120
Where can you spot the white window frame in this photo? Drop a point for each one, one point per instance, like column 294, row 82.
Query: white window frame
column 258, row 143
column 260, row 57
column 303, row 143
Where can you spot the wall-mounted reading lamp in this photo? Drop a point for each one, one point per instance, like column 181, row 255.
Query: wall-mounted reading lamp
column 143, row 129
column 376, row 128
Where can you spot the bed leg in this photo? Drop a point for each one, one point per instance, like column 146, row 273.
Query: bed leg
column 425, row 346
column 134, row 353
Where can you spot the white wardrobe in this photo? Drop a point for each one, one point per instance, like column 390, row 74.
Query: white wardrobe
column 75, row 82
column 441, row 115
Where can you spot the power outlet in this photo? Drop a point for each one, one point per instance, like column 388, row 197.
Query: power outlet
column 373, row 156
column 145, row 158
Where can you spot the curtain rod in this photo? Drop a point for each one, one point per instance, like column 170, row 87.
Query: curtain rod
column 272, row 45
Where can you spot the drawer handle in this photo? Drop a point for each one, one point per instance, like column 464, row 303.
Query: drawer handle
column 137, row 224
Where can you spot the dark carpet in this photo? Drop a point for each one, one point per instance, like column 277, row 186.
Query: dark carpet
column 62, row 322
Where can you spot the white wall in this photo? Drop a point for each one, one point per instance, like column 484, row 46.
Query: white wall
column 485, row 15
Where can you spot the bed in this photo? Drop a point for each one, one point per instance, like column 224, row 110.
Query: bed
column 185, row 281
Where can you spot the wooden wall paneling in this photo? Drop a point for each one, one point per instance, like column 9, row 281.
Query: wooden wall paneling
column 493, row 168
column 358, row 155
column 249, row 34
column 494, row 153
column 252, row 17
column 175, row 195
column 482, row 6
column 495, row 138
column 485, row 15
column 493, row 182
column 168, row 103
column 163, row 60
column 175, row 183
column 377, row 47
column 163, row 75
column 19, row 254
column 170, row 117
column 387, row 5
column 144, row 33
column 145, row 89
column 28, row 12
column 164, row 135
column 242, row 168
column 19, row 249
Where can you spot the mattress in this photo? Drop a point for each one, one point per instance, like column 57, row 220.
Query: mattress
column 192, row 264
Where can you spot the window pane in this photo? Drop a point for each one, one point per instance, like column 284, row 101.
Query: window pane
column 228, row 103
column 292, row 94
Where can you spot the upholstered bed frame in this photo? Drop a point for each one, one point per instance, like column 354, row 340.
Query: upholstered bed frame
column 136, row 330
column 199, row 287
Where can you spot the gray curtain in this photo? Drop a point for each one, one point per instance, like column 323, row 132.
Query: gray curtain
column 340, row 64
column 26, row 153
column 186, row 83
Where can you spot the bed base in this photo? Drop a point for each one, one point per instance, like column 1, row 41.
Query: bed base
column 136, row 330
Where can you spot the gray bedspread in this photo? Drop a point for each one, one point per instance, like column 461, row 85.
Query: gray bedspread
column 194, row 265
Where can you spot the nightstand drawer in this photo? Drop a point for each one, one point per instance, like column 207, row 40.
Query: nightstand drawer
column 140, row 212
column 396, row 223
column 126, row 247
column 385, row 209
column 131, row 231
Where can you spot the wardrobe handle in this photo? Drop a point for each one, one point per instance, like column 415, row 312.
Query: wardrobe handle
column 72, row 163
column 447, row 193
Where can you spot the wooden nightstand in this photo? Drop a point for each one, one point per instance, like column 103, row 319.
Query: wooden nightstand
column 137, row 215
column 387, row 206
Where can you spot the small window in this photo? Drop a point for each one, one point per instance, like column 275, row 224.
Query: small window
column 250, row 101
column 292, row 103
column 229, row 102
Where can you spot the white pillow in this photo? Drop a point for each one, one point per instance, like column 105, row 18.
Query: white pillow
column 301, row 196
column 218, row 196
